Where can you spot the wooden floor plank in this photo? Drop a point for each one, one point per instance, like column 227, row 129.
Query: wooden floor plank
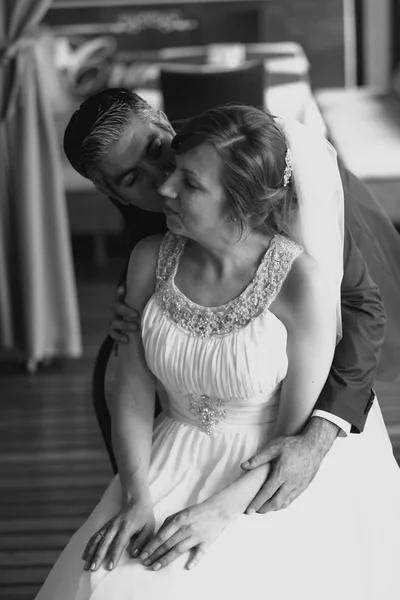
column 32, row 558
column 46, row 541
column 19, row 592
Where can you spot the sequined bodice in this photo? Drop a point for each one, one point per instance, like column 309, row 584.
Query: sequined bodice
column 222, row 366
column 237, row 313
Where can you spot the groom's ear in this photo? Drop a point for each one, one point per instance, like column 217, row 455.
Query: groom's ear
column 101, row 187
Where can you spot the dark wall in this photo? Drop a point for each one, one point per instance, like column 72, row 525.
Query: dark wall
column 318, row 26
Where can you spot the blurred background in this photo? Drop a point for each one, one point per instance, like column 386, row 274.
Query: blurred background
column 333, row 65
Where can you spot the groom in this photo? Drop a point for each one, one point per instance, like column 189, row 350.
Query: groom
column 123, row 145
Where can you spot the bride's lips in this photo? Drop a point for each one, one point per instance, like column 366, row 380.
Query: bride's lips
column 169, row 211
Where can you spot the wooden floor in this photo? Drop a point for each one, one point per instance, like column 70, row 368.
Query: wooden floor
column 53, row 466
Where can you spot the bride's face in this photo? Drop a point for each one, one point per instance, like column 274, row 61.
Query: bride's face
column 194, row 196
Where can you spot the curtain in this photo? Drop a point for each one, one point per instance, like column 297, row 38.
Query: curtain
column 39, row 316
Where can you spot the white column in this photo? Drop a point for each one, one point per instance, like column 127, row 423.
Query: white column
column 350, row 48
column 377, row 42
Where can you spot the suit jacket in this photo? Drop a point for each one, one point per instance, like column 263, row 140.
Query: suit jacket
column 348, row 392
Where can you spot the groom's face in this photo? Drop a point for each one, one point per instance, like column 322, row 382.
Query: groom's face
column 136, row 166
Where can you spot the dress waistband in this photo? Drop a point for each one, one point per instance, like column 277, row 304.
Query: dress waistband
column 210, row 413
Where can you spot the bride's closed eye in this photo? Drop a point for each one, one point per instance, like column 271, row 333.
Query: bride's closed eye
column 189, row 184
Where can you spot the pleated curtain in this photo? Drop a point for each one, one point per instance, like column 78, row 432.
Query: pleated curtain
column 39, row 317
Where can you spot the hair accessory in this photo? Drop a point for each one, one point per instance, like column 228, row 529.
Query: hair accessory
column 288, row 169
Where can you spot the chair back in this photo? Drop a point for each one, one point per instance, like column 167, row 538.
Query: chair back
column 190, row 89
column 99, row 397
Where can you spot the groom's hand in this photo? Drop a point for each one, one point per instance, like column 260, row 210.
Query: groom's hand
column 125, row 319
column 295, row 462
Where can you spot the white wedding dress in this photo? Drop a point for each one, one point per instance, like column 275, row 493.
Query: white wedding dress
column 220, row 371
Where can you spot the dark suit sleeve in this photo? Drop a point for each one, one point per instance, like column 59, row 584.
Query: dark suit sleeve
column 139, row 224
column 348, row 390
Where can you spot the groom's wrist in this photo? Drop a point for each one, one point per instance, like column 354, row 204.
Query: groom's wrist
column 321, row 433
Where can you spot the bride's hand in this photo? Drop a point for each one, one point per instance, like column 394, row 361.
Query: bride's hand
column 134, row 525
column 194, row 528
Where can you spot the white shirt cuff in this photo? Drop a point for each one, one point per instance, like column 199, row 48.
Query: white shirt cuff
column 345, row 426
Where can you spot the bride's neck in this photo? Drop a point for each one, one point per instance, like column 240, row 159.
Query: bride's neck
column 224, row 255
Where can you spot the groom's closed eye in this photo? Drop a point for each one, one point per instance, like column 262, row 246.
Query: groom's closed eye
column 131, row 178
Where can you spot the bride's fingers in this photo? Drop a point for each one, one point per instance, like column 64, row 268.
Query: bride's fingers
column 117, row 547
column 174, row 553
column 196, row 555
column 166, row 547
column 97, row 542
column 138, row 541
column 167, row 530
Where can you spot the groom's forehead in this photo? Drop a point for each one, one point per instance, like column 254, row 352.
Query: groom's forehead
column 129, row 149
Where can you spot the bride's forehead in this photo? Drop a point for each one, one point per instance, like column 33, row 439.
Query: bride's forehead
column 203, row 160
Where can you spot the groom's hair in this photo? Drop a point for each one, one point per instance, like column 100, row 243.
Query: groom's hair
column 99, row 122
column 253, row 150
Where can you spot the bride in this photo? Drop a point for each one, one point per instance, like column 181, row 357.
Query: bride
column 241, row 313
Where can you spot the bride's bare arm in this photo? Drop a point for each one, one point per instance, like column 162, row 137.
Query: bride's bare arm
column 132, row 406
column 132, row 415
column 306, row 309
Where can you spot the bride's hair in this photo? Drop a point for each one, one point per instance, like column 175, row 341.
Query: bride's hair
column 252, row 150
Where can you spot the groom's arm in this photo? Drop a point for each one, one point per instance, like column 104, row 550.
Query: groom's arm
column 348, row 392
column 347, row 395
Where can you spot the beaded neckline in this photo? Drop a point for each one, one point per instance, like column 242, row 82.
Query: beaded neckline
column 228, row 304
column 235, row 314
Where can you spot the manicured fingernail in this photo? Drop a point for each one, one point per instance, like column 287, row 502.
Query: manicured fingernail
column 147, row 563
column 251, row 511
column 93, row 566
column 144, row 556
column 190, row 566
column 110, row 565
column 245, row 464
column 135, row 553
column 156, row 566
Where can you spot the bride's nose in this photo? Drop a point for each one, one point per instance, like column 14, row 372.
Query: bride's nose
column 168, row 189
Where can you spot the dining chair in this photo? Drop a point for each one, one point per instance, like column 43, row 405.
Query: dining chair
column 190, row 89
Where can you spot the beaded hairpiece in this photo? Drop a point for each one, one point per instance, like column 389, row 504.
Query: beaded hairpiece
column 288, row 169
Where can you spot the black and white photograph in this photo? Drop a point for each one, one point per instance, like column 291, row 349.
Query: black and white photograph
column 200, row 299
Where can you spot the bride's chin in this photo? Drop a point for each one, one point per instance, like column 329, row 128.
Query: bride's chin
column 174, row 224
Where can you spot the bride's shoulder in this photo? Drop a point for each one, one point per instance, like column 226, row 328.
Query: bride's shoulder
column 141, row 270
column 145, row 252
column 304, row 289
